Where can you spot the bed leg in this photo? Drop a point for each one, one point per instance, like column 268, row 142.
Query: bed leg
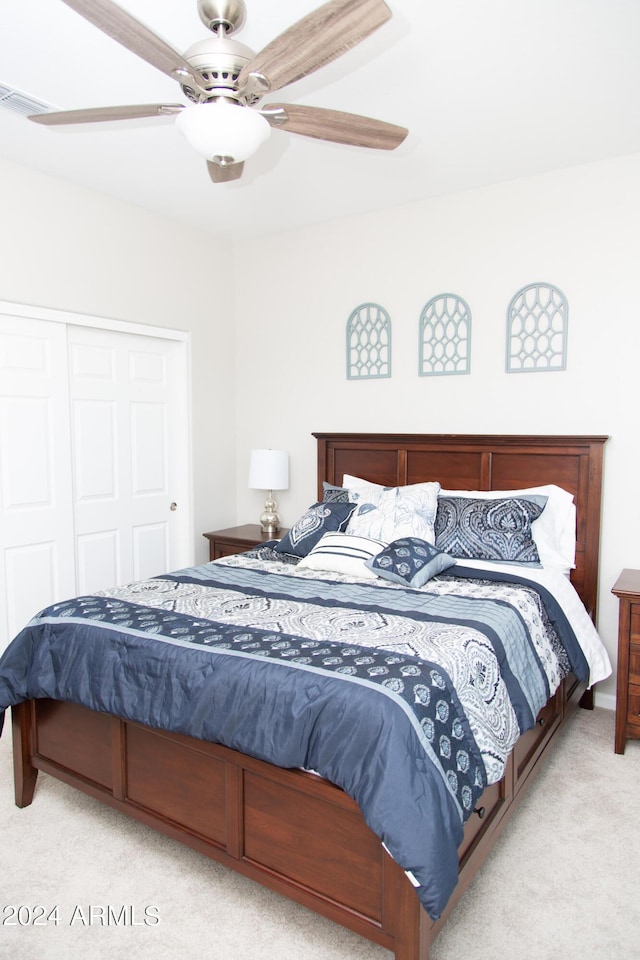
column 587, row 701
column 24, row 773
column 414, row 940
column 411, row 926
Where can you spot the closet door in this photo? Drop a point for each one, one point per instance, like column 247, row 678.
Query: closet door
column 129, row 438
column 94, row 461
column 36, row 523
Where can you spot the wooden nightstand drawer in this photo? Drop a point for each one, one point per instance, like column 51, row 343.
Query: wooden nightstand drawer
column 634, row 663
column 226, row 548
column 633, row 711
column 224, row 543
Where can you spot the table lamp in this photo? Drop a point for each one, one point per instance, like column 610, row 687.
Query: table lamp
column 269, row 470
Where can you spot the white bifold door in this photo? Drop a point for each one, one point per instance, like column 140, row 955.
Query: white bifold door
column 94, row 462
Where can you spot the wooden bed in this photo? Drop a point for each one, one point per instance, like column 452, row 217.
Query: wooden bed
column 262, row 820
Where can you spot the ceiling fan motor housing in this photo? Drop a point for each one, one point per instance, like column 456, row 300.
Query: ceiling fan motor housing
column 218, row 60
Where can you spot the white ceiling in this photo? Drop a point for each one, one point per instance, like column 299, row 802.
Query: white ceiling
column 491, row 90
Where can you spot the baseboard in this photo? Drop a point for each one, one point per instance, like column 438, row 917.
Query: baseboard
column 605, row 700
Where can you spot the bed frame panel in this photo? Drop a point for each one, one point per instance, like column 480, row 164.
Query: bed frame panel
column 262, row 820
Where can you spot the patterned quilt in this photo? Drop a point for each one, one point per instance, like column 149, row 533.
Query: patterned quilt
column 409, row 700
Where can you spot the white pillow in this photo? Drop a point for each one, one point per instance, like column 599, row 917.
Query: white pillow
column 389, row 513
column 358, row 487
column 343, row 553
column 554, row 532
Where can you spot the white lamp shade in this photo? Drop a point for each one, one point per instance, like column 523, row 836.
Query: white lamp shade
column 223, row 129
column 269, row 470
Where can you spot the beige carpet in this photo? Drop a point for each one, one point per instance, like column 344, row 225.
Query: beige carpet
column 563, row 881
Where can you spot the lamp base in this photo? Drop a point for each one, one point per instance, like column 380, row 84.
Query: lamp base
column 270, row 521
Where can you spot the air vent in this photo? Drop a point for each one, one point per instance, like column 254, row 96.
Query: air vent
column 22, row 103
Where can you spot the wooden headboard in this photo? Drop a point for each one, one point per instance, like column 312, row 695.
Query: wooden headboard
column 467, row 462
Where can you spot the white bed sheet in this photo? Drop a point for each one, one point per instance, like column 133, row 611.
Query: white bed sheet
column 556, row 581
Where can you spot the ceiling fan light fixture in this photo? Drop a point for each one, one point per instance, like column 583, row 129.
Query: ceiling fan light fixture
column 223, row 129
column 224, row 79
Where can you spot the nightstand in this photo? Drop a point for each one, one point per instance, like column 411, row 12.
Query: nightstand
column 222, row 543
column 627, row 589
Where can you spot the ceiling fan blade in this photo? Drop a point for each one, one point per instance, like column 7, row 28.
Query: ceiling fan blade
column 125, row 29
column 312, row 42
column 232, row 171
column 100, row 114
column 335, row 125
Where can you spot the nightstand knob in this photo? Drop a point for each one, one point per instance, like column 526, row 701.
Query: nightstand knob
column 480, row 811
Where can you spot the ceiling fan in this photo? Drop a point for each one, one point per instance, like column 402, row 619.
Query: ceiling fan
column 224, row 80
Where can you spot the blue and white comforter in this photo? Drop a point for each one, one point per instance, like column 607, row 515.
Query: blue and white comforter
column 409, row 700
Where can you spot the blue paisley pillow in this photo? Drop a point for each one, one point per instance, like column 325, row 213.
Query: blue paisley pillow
column 410, row 561
column 487, row 529
column 333, row 494
column 310, row 527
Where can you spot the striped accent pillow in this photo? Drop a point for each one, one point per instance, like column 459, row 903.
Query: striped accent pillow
column 344, row 553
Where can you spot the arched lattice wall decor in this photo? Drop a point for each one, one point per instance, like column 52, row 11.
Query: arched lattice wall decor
column 537, row 329
column 445, row 336
column 368, row 343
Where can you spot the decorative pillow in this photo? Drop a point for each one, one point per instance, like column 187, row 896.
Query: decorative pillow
column 487, row 529
column 360, row 489
column 554, row 532
column 310, row 527
column 333, row 494
column 370, row 521
column 343, row 553
column 387, row 513
column 410, row 561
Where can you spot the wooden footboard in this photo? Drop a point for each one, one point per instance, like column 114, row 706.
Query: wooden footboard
column 289, row 830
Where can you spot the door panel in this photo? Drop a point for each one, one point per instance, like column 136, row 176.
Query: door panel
column 36, row 524
column 130, row 453
column 151, row 550
column 97, row 557
column 32, row 578
column 149, row 452
column 94, row 452
column 26, row 467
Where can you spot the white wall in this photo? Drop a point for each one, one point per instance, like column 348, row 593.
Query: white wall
column 575, row 228
column 68, row 248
